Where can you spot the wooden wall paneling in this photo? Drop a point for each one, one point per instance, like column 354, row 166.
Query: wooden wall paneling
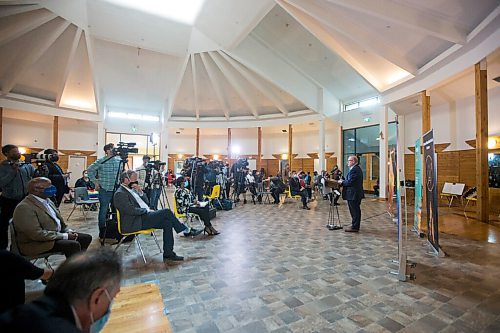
column 467, row 167
column 410, row 166
column 170, row 163
column 64, row 162
column 308, row 165
column 447, row 162
column 273, row 166
column 90, row 160
column 330, row 163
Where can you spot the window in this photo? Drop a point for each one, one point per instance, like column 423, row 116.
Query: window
column 362, row 104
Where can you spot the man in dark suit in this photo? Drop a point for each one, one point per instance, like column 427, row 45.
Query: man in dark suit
column 353, row 192
column 77, row 299
column 135, row 214
column 56, row 175
column 297, row 189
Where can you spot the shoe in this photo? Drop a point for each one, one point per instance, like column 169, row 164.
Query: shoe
column 351, row 230
column 214, row 232
column 336, row 204
column 173, row 257
column 305, row 207
column 245, row 201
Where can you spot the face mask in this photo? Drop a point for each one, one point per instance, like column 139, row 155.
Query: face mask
column 16, row 157
column 85, row 175
column 186, row 183
column 131, row 184
column 98, row 325
column 49, row 192
column 54, row 158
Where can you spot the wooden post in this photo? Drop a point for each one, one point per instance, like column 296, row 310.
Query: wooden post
column 229, row 146
column 426, row 127
column 55, row 133
column 259, row 148
column 1, row 126
column 482, row 142
column 290, row 151
column 198, row 142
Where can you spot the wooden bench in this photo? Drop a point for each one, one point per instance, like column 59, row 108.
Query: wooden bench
column 451, row 191
column 138, row 308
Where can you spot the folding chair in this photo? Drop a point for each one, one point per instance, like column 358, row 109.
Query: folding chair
column 188, row 218
column 14, row 248
column 81, row 199
column 214, row 196
column 136, row 234
column 262, row 192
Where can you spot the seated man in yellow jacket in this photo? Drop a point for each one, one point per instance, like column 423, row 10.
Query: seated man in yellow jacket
column 39, row 226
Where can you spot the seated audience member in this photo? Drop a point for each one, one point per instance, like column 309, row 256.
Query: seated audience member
column 376, row 188
column 186, row 203
column 297, row 189
column 136, row 215
column 85, row 181
column 276, row 187
column 77, row 298
column 40, row 227
column 16, row 270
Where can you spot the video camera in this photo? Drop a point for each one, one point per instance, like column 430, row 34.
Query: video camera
column 241, row 163
column 192, row 164
column 155, row 165
column 216, row 166
column 122, row 149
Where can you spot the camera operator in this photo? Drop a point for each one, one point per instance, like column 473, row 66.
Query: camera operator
column 211, row 176
column 56, row 175
column 238, row 172
column 250, row 183
column 103, row 173
column 14, row 178
column 149, row 180
column 199, row 179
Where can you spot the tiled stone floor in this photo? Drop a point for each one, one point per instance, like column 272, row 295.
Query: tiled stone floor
column 280, row 270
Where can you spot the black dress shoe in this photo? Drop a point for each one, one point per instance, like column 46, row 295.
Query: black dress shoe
column 173, row 257
column 305, row 207
column 351, row 230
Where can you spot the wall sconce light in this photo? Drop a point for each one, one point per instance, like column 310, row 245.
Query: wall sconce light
column 216, row 157
column 492, row 143
column 284, row 156
column 179, row 156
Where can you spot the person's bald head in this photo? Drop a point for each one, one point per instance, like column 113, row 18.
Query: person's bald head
column 37, row 185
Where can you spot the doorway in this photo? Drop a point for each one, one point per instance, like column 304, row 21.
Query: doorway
column 76, row 165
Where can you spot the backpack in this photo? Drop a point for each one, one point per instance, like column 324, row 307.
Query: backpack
column 227, row 204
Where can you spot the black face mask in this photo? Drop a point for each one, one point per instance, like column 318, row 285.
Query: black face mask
column 54, row 158
column 16, row 157
column 131, row 184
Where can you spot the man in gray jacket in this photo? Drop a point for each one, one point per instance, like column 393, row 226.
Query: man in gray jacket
column 14, row 178
column 132, row 204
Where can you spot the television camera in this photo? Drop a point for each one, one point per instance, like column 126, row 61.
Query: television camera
column 40, row 160
column 122, row 149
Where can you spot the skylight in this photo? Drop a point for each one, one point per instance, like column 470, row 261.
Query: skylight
column 183, row 11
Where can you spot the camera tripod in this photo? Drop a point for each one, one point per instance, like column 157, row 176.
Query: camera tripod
column 331, row 214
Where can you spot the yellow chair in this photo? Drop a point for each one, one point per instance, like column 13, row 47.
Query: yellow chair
column 136, row 234
column 188, row 218
column 214, row 196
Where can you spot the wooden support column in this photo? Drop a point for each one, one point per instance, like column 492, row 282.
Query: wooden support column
column 198, row 142
column 259, row 148
column 1, row 126
column 55, row 133
column 290, row 151
column 482, row 141
column 426, row 127
column 229, row 146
